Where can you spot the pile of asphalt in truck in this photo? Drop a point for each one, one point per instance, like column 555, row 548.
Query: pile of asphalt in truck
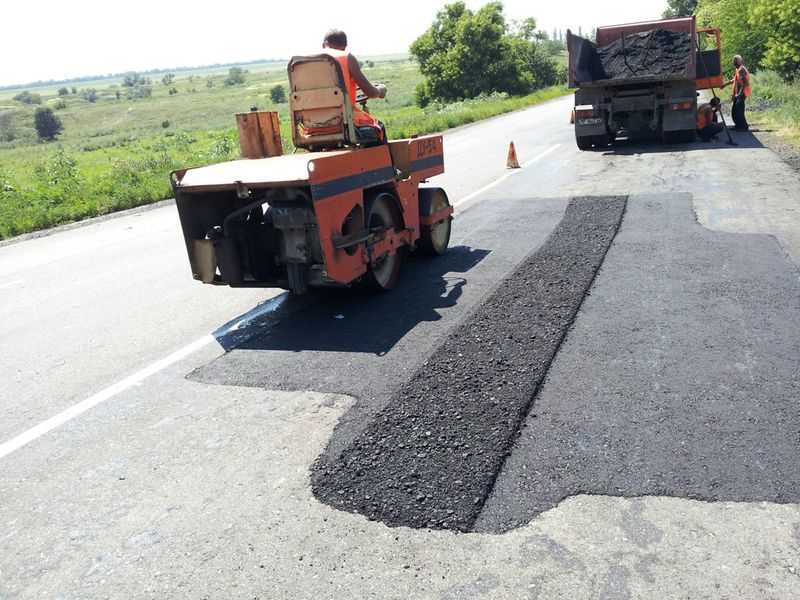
column 646, row 54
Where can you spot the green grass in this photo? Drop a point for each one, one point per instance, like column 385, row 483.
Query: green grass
column 117, row 153
column 777, row 104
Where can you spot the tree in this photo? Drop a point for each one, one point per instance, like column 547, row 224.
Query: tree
column 235, row 76
column 465, row 53
column 167, row 79
column 132, row 79
column 278, row 94
column 679, row 8
column 738, row 36
column 48, row 126
column 781, row 18
column 63, row 91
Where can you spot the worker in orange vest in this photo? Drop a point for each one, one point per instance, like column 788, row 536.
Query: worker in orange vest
column 335, row 44
column 706, row 122
column 741, row 91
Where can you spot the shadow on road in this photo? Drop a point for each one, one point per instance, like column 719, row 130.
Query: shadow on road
column 625, row 146
column 349, row 320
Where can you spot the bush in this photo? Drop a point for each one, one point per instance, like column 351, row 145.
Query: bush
column 222, row 147
column 27, row 98
column 165, row 124
column 48, row 126
column 173, row 91
column 89, row 94
column 235, row 76
column 167, row 79
column 74, row 90
column 63, row 91
column 278, row 94
column 140, row 91
column 60, row 104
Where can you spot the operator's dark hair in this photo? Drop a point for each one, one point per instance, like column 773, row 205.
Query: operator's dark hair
column 714, row 101
column 335, row 37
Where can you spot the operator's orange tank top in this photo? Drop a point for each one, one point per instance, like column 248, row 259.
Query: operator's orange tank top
column 342, row 57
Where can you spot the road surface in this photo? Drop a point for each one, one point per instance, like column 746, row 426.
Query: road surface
column 160, row 438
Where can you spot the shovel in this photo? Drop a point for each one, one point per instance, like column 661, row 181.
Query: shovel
column 714, row 93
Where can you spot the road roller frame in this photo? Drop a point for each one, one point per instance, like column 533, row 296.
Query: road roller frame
column 341, row 213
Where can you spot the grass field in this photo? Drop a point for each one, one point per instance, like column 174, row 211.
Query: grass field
column 117, row 152
column 776, row 105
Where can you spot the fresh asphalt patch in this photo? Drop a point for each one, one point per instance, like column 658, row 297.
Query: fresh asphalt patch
column 680, row 377
column 368, row 345
column 431, row 457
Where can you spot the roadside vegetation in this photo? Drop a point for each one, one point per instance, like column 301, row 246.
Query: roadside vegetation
column 775, row 105
column 767, row 35
column 73, row 150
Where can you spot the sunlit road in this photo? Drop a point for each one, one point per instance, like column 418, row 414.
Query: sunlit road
column 140, row 459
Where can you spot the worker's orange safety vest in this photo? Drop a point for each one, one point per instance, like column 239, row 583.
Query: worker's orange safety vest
column 740, row 82
column 705, row 116
column 361, row 117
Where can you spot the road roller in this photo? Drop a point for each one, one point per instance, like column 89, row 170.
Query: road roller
column 343, row 210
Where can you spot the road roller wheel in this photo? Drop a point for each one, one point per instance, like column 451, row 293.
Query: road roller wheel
column 434, row 239
column 382, row 213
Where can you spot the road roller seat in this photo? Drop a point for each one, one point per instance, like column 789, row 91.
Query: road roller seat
column 321, row 111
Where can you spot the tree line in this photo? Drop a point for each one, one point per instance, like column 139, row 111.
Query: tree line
column 765, row 32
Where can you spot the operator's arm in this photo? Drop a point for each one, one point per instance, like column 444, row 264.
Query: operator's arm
column 371, row 91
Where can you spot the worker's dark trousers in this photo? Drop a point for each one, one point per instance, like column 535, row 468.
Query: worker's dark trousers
column 709, row 131
column 737, row 112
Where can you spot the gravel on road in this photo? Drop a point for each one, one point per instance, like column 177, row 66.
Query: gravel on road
column 431, row 457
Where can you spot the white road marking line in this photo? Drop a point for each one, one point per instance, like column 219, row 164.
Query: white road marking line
column 502, row 178
column 81, row 407
column 9, row 284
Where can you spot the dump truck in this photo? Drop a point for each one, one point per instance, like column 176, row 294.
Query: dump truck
column 641, row 79
column 342, row 211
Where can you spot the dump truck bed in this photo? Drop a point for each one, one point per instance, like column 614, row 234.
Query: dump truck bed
column 585, row 64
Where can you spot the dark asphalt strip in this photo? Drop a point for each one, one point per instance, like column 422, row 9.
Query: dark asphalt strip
column 431, row 458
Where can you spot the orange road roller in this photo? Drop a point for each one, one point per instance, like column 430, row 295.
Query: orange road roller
column 345, row 211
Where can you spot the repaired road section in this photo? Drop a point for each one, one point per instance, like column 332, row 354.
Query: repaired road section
column 430, row 458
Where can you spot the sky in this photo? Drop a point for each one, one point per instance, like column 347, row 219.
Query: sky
column 54, row 39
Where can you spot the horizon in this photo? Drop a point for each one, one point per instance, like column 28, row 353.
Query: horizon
column 87, row 42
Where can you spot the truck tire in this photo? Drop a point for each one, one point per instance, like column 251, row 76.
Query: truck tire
column 601, row 141
column 584, row 142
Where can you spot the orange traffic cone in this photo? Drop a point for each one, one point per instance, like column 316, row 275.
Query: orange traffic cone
column 512, row 162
